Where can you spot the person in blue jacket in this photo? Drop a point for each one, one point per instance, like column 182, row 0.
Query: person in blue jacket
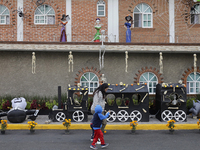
column 97, row 123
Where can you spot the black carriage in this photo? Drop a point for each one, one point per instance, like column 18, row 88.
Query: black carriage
column 128, row 103
column 75, row 108
column 171, row 102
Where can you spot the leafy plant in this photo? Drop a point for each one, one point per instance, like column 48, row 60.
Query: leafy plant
column 67, row 123
column 133, row 125
column 31, row 125
column 4, row 125
column 50, row 104
column 171, row 125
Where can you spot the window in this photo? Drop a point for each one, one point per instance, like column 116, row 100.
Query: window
column 4, row 15
column 143, row 16
column 195, row 14
column 151, row 80
column 193, row 83
column 90, row 80
column 101, row 8
column 44, row 14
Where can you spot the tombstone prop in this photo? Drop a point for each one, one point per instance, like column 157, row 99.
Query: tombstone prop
column 127, row 103
column 171, row 102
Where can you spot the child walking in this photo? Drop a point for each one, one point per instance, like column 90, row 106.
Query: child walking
column 97, row 123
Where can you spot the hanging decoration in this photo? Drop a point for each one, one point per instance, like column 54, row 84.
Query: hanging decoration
column 126, row 60
column 102, row 48
column 70, row 60
column 161, row 63
column 195, row 63
column 33, row 63
column 103, row 79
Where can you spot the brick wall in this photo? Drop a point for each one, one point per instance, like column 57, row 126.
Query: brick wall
column 8, row 32
column 84, row 14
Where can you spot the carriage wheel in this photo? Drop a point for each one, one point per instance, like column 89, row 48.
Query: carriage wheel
column 180, row 115
column 166, row 115
column 78, row 116
column 112, row 116
column 136, row 115
column 60, row 116
column 122, row 115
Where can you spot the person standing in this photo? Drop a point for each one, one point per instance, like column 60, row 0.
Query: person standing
column 99, row 96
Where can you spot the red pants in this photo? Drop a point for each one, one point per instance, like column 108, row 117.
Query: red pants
column 98, row 135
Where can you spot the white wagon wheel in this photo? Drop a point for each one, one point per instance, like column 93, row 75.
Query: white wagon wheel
column 122, row 115
column 180, row 115
column 60, row 116
column 112, row 116
column 136, row 115
column 78, row 116
column 166, row 115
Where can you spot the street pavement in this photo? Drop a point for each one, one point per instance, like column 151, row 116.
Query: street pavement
column 117, row 139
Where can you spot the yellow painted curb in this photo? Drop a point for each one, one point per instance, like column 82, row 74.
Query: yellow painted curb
column 108, row 127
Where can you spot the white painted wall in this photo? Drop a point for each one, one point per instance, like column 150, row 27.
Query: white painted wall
column 171, row 22
column 113, row 20
column 19, row 21
column 69, row 25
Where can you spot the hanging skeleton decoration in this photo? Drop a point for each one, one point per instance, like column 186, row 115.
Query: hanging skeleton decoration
column 102, row 48
column 103, row 78
column 126, row 60
column 33, row 63
column 70, row 60
column 195, row 64
column 161, row 63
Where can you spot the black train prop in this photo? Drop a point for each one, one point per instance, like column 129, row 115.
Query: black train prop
column 128, row 103
column 75, row 108
column 171, row 102
column 77, row 103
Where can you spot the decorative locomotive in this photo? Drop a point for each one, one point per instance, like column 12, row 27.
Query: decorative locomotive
column 171, row 102
column 128, row 102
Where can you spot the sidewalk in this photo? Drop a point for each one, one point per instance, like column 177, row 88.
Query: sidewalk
column 153, row 124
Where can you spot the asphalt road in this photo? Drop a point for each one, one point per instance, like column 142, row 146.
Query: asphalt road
column 118, row 140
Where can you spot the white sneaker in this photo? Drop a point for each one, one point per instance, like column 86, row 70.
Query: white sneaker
column 98, row 142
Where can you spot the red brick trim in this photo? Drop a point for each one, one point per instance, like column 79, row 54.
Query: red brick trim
column 146, row 69
column 186, row 74
column 81, row 72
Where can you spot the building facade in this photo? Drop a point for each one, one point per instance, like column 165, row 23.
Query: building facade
column 164, row 40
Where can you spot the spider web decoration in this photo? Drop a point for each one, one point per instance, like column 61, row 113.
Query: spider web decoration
column 20, row 13
column 160, row 13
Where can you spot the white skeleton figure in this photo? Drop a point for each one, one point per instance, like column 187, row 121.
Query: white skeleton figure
column 126, row 60
column 33, row 63
column 70, row 60
column 161, row 63
column 195, row 63
column 103, row 78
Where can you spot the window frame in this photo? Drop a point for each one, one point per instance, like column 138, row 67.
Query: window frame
column 194, row 82
column 5, row 16
column 143, row 13
column 101, row 3
column 89, row 82
column 149, row 81
column 45, row 15
column 193, row 12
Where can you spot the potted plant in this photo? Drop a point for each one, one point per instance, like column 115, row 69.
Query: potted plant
column 198, row 122
column 133, row 126
column 4, row 126
column 31, row 126
column 67, row 124
column 171, row 125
